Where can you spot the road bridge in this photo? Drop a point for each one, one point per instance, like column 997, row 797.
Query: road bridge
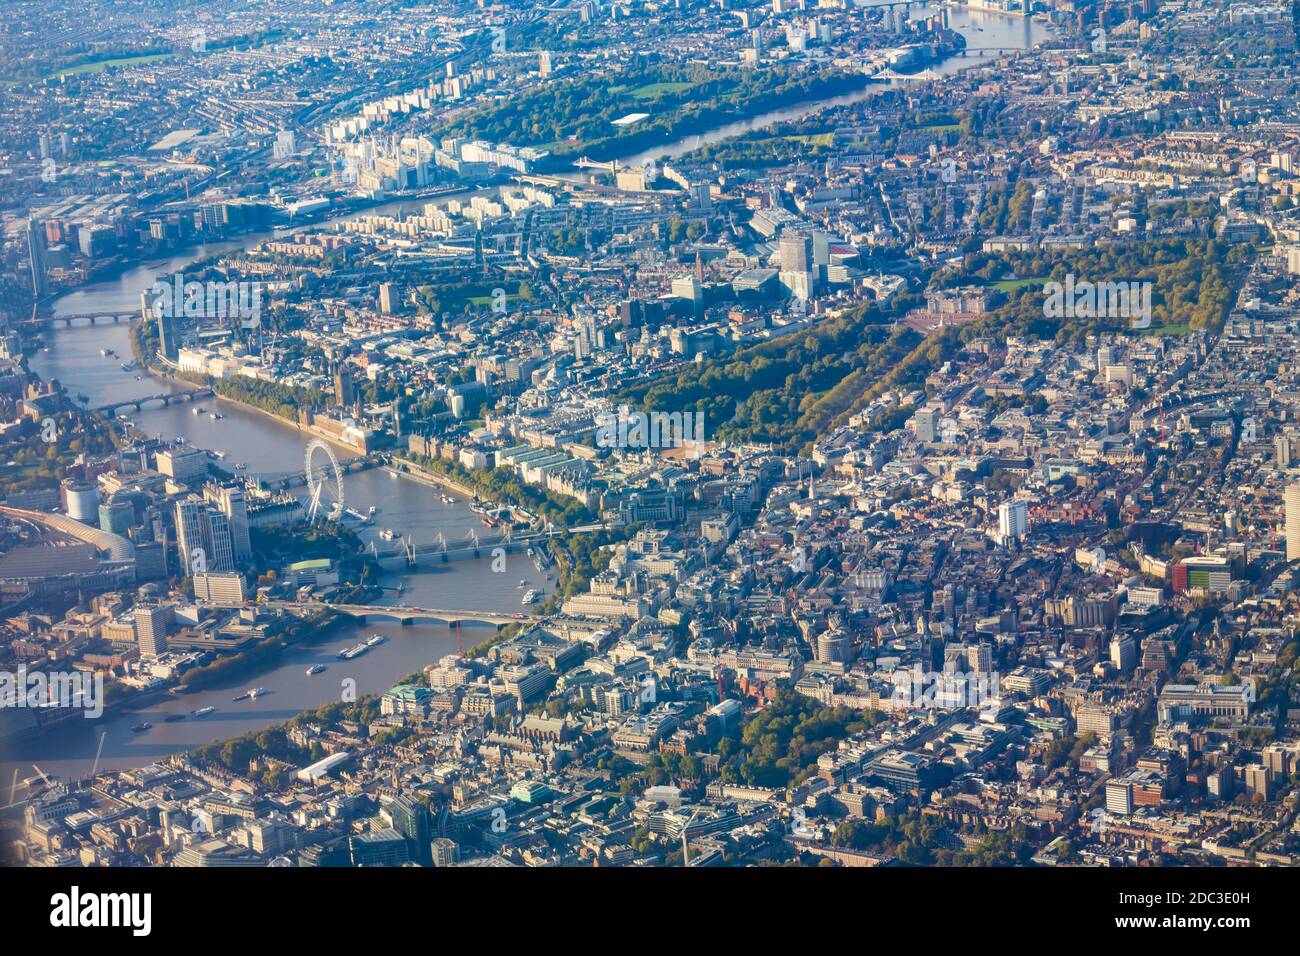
column 79, row 318
column 163, row 398
column 890, row 74
column 612, row 166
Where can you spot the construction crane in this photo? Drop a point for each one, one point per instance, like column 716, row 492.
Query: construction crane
column 686, row 847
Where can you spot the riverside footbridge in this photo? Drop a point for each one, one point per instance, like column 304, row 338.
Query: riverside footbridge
column 473, row 545
column 282, row 480
column 406, row 614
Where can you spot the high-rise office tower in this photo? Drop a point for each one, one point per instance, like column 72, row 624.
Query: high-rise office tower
column 203, row 533
column 189, row 534
column 411, row 819
column 798, row 284
column 821, row 252
column 948, row 601
column 1293, row 521
column 167, row 345
column 116, row 515
column 230, row 499
column 151, row 628
column 445, row 852
column 796, row 252
column 1123, row 652
column 822, row 247
column 36, row 251
column 924, row 424
column 689, row 287
column 219, row 541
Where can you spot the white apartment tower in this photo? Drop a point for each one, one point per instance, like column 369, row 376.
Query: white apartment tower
column 1013, row 520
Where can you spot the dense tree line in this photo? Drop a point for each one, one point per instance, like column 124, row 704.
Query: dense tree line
column 910, row 837
column 503, row 485
column 779, row 745
column 784, row 391
column 236, row 753
column 573, row 117
column 791, row 390
column 760, row 150
column 1194, row 282
column 32, row 462
column 274, row 397
column 286, row 544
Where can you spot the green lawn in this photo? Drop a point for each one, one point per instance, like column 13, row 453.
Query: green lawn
column 100, row 65
column 488, row 300
column 651, row 90
column 815, row 139
column 1164, row 331
column 1010, row 285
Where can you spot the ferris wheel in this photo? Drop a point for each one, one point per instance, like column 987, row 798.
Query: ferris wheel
column 324, row 481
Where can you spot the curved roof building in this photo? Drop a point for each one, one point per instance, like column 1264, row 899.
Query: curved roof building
column 111, row 547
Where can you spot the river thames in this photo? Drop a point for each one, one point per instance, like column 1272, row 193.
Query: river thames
column 266, row 446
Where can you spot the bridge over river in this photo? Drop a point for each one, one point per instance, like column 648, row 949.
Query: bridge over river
column 106, row 316
column 474, row 545
column 162, row 398
column 405, row 614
